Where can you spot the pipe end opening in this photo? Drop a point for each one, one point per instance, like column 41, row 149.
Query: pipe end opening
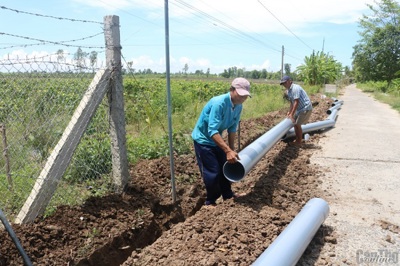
column 234, row 172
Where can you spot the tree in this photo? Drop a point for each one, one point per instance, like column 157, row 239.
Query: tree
column 147, row 71
column 238, row 72
column 129, row 64
column 199, row 72
column 320, row 68
column 255, row 74
column 347, row 71
column 264, row 73
column 225, row 74
column 185, row 68
column 376, row 57
column 60, row 55
column 93, row 59
column 287, row 69
column 79, row 58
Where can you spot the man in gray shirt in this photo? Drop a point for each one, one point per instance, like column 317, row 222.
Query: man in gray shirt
column 300, row 106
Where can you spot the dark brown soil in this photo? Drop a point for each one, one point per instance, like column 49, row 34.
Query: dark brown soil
column 144, row 227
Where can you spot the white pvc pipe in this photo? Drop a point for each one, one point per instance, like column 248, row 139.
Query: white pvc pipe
column 250, row 155
column 310, row 127
column 334, row 107
column 320, row 125
column 332, row 116
column 337, row 102
column 289, row 246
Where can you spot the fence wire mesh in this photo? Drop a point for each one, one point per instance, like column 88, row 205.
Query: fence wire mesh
column 38, row 97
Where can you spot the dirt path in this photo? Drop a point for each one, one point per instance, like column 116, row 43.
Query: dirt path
column 362, row 186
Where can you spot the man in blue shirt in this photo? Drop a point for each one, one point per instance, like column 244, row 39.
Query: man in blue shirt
column 300, row 106
column 219, row 114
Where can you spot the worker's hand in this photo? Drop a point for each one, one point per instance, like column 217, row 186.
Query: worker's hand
column 291, row 118
column 232, row 156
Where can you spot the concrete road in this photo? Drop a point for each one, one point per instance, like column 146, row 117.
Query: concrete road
column 361, row 160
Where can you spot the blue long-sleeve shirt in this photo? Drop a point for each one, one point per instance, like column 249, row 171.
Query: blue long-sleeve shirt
column 218, row 115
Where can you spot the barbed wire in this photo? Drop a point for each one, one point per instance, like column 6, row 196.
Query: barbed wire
column 21, row 62
column 21, row 45
column 85, row 64
column 56, row 43
column 47, row 16
column 42, row 57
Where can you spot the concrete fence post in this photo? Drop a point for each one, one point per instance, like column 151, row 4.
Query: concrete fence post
column 60, row 158
column 120, row 173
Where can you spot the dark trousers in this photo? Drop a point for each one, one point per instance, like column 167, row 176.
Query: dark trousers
column 211, row 161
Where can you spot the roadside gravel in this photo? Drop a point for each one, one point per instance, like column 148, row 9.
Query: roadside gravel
column 360, row 165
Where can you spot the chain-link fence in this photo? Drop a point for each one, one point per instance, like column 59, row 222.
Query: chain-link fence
column 55, row 120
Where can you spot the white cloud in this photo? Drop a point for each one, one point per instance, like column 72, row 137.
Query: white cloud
column 250, row 16
column 257, row 16
column 184, row 60
column 194, row 64
column 112, row 5
column 266, row 64
column 143, row 62
column 268, row 16
column 176, row 64
column 16, row 54
column 203, row 62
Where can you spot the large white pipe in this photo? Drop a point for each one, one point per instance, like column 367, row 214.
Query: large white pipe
column 250, row 155
column 288, row 247
column 320, row 125
column 310, row 127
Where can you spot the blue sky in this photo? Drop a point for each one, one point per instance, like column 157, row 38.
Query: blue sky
column 205, row 34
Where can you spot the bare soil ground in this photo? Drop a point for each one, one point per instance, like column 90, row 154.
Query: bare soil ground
column 144, row 227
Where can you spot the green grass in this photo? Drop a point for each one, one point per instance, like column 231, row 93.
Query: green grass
column 392, row 99
column 383, row 93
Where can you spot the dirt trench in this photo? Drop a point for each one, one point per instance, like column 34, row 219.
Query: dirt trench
column 144, row 227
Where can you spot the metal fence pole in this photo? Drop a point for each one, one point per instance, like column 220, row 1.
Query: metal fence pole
column 14, row 238
column 171, row 148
